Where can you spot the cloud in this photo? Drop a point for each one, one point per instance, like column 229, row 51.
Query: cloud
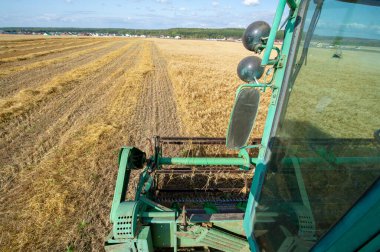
column 355, row 26
column 168, row 14
column 48, row 17
column 215, row 3
column 68, row 1
column 162, row 1
column 251, row 2
column 363, row 27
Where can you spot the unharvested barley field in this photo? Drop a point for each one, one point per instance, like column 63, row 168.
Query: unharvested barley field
column 66, row 107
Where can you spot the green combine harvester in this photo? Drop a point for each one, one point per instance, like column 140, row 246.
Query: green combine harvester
column 311, row 182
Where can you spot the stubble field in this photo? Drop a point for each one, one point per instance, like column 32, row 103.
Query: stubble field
column 68, row 104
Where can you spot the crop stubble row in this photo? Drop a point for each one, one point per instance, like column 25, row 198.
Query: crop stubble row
column 7, row 53
column 50, row 96
column 76, row 156
column 31, row 75
column 44, row 52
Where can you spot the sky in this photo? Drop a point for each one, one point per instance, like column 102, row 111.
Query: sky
column 347, row 20
column 337, row 18
column 135, row 14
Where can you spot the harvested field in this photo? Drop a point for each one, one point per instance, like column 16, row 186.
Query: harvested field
column 66, row 107
column 204, row 76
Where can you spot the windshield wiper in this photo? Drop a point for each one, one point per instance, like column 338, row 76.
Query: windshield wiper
column 308, row 37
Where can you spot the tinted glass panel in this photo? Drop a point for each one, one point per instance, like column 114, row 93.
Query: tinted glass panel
column 325, row 153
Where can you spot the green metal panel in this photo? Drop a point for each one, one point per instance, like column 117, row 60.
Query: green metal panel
column 358, row 227
column 119, row 247
column 204, row 161
column 292, row 4
column 198, row 236
column 372, row 245
column 125, row 220
column 121, row 181
column 232, row 226
column 144, row 240
column 161, row 234
column 220, row 240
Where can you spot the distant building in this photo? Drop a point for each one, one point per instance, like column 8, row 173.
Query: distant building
column 177, row 37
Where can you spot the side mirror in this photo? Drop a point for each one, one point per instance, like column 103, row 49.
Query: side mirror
column 250, row 69
column 243, row 117
column 255, row 35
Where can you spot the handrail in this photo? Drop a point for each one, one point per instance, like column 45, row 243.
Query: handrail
column 276, row 24
column 273, row 32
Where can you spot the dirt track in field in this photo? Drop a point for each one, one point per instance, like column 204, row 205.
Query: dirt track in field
column 156, row 112
column 58, row 151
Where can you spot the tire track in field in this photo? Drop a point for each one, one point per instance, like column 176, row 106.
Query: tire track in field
column 35, row 77
column 45, row 124
column 156, row 112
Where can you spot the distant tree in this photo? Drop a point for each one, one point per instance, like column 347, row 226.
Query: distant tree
column 337, row 41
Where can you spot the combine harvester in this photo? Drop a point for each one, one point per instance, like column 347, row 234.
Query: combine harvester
column 311, row 182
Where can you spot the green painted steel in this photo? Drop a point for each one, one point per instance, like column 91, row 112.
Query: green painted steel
column 213, row 238
column 151, row 214
column 142, row 242
column 154, row 205
column 262, row 86
column 360, row 225
column 206, row 161
column 125, row 220
column 372, row 245
column 121, row 181
column 292, row 4
column 145, row 183
column 273, row 32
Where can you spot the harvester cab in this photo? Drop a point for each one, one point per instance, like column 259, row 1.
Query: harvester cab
column 311, row 182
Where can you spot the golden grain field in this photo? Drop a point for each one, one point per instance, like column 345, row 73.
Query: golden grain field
column 68, row 104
